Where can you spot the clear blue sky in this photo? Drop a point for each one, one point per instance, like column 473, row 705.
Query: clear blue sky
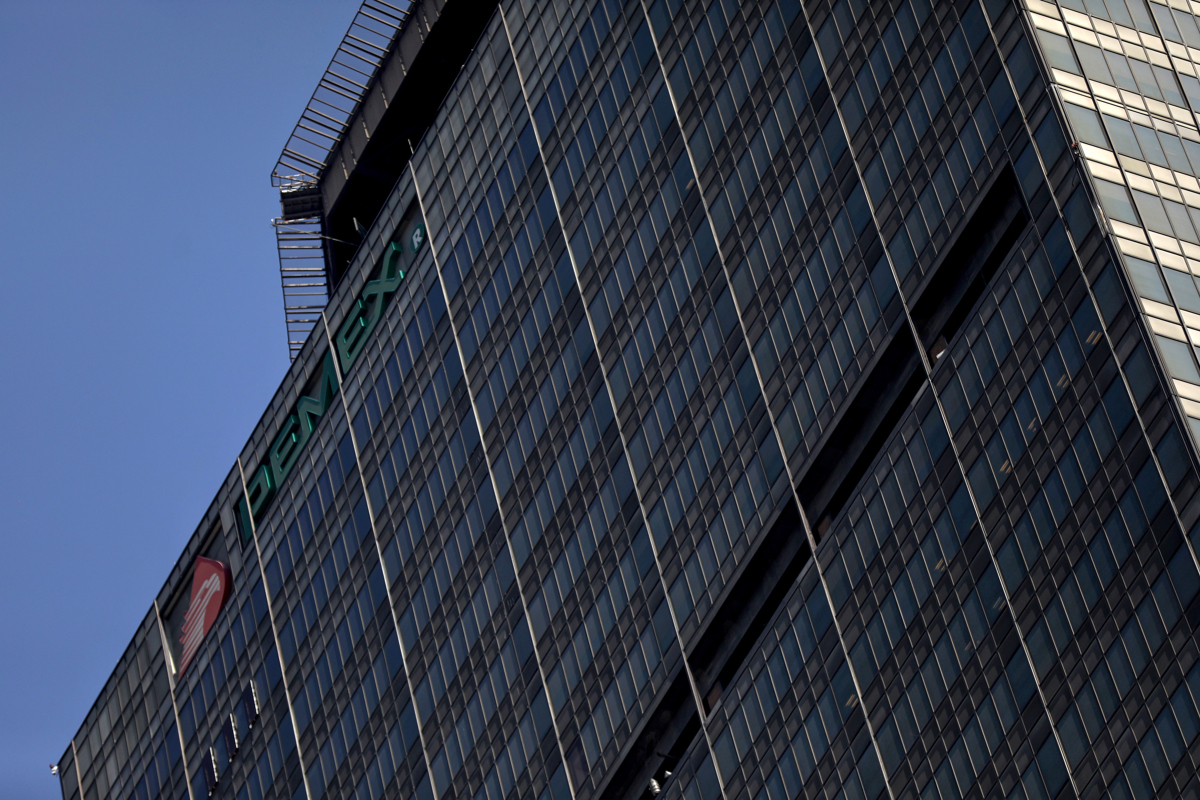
column 141, row 322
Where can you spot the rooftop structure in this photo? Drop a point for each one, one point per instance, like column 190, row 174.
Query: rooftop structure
column 351, row 143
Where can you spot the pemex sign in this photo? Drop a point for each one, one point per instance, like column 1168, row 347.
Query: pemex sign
column 210, row 590
column 300, row 424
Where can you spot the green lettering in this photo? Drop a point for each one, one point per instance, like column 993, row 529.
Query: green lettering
column 259, row 491
column 352, row 336
column 281, row 457
column 285, row 448
column 245, row 527
column 300, row 424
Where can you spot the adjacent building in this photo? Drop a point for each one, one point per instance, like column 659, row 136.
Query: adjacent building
column 709, row 400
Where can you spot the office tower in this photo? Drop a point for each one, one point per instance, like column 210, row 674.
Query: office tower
column 712, row 400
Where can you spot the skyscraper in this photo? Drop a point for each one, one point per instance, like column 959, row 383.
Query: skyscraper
column 712, row 400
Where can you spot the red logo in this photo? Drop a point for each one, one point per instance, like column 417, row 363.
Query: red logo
column 210, row 589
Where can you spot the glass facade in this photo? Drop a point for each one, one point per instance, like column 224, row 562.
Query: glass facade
column 779, row 400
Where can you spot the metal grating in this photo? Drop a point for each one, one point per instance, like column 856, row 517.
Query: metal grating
column 339, row 92
column 302, row 271
column 298, row 232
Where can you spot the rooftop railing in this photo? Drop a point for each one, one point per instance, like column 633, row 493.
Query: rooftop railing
column 340, row 92
column 299, row 231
